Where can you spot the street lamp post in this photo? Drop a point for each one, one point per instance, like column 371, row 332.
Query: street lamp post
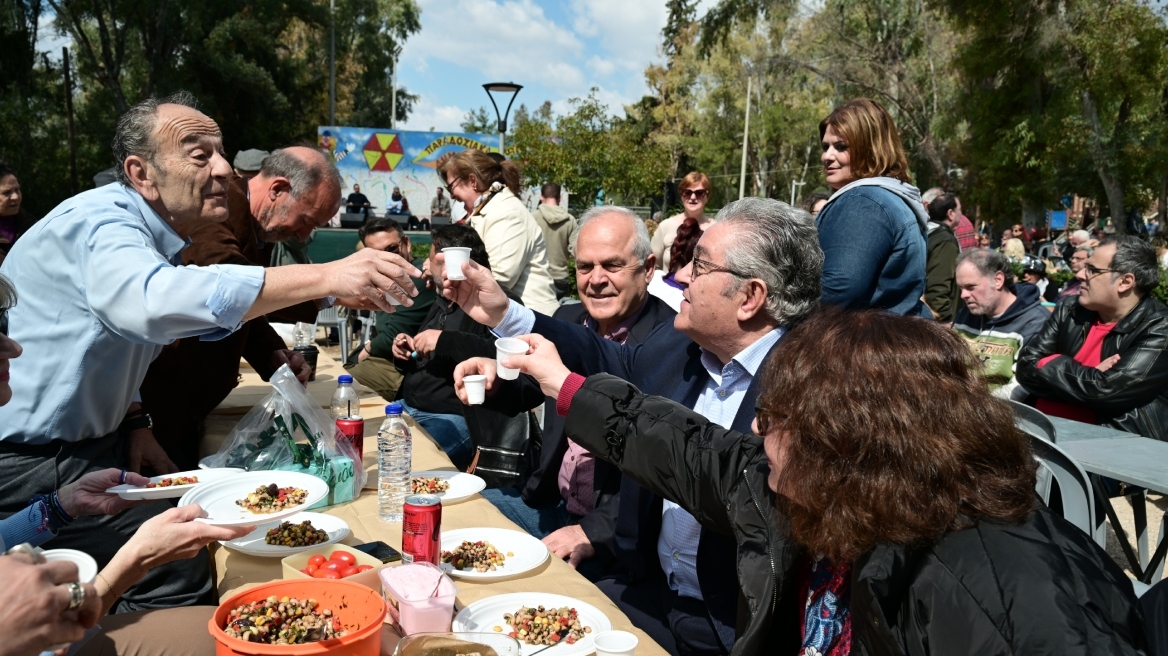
column 393, row 89
column 502, row 87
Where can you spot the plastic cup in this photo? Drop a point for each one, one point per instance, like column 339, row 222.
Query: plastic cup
column 86, row 565
column 456, row 256
column 476, row 388
column 508, row 346
column 392, row 299
column 615, row 643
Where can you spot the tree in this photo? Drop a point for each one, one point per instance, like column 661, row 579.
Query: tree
column 479, row 121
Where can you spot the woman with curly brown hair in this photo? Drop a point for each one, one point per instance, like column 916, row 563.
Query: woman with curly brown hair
column 887, row 508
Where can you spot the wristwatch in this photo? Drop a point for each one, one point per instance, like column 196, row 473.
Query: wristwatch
column 139, row 421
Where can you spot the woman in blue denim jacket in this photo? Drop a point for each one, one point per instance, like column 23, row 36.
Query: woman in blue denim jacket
column 872, row 229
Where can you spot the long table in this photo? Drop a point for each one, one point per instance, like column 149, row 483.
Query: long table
column 234, row 570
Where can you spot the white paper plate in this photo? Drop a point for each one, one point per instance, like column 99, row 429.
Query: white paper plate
column 218, row 498
column 529, row 552
column 204, row 475
column 462, row 486
column 484, row 615
column 253, row 543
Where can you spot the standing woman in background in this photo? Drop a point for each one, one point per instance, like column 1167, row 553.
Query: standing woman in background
column 515, row 246
column 694, row 190
column 872, row 229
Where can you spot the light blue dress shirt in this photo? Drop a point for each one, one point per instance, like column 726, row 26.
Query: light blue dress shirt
column 677, row 546
column 101, row 291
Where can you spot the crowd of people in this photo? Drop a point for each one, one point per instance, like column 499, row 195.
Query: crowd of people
column 770, row 430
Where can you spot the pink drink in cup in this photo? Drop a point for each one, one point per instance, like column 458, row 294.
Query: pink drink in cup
column 407, row 588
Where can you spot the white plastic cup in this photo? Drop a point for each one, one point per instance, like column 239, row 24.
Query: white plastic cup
column 456, row 256
column 476, row 388
column 392, row 299
column 615, row 643
column 86, row 565
column 508, row 346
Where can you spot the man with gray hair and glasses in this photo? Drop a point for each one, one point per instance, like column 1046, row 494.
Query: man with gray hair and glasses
column 755, row 273
column 1103, row 356
column 106, row 290
column 294, row 191
column 572, row 494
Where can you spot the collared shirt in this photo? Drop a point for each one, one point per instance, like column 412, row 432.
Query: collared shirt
column 101, row 292
column 440, row 204
column 966, row 235
column 577, row 477
column 677, row 546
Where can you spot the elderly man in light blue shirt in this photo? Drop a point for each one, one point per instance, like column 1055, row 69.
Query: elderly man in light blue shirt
column 103, row 291
column 755, row 272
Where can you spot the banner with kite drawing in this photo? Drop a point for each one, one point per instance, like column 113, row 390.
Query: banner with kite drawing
column 380, row 159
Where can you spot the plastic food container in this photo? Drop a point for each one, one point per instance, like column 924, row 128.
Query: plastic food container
column 407, row 588
column 360, row 610
column 296, row 562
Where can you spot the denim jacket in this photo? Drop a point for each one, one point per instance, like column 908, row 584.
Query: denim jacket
column 873, row 237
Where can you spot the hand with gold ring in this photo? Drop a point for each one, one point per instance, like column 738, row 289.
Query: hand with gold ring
column 48, row 605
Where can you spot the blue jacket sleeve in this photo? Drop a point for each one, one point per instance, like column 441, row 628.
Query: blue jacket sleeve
column 584, row 351
column 29, row 525
column 855, row 244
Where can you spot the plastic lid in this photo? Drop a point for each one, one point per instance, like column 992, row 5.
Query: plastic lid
column 393, row 409
column 344, row 378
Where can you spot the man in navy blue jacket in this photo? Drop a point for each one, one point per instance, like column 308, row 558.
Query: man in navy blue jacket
column 755, row 273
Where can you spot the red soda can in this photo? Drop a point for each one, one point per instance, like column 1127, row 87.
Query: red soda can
column 421, row 529
column 353, row 431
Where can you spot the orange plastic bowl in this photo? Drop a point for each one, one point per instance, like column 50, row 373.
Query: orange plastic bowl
column 360, row 610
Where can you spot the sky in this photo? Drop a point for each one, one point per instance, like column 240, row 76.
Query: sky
column 556, row 49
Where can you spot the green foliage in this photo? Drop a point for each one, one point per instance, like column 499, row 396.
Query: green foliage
column 480, row 120
column 420, row 251
column 1161, row 291
column 588, row 151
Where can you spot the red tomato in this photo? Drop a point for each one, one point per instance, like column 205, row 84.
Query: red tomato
column 333, row 565
column 348, row 571
column 306, row 572
column 364, row 568
column 311, row 568
column 324, row 573
column 344, row 557
column 316, row 560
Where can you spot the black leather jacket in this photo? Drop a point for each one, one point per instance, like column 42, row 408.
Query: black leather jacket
column 1040, row 588
column 1131, row 396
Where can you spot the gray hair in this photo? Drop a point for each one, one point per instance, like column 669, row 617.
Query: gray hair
column 1137, row 257
column 7, row 293
column 642, row 246
column 1085, row 248
column 303, row 173
column 134, row 134
column 929, row 195
column 989, row 263
column 778, row 244
column 1081, row 234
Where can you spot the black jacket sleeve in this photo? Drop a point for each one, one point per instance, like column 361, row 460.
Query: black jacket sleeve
column 671, row 450
column 1138, row 378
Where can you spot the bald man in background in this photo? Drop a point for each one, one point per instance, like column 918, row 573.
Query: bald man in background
column 295, row 191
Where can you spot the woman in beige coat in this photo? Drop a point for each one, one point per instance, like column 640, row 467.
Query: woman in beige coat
column 514, row 241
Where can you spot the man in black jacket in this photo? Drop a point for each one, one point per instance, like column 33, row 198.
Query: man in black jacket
column 1103, row 356
column 755, row 272
column 614, row 265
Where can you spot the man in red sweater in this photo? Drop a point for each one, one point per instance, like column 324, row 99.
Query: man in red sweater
column 1102, row 358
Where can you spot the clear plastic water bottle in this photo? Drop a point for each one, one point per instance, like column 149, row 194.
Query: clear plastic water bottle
column 394, row 459
column 345, row 402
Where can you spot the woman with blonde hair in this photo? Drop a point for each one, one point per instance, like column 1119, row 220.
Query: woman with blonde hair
column 514, row 241
column 694, row 190
column 872, row 229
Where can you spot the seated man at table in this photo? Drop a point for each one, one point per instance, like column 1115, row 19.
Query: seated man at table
column 295, row 191
column 374, row 367
column 1103, row 356
column 614, row 264
column 357, row 202
column 998, row 315
column 105, row 292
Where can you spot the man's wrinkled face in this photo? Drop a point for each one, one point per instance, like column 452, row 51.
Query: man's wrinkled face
column 1078, row 259
column 287, row 217
column 709, row 313
column 189, row 169
column 612, row 282
column 9, row 195
column 980, row 293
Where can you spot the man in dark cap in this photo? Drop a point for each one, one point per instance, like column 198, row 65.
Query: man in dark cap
column 247, row 162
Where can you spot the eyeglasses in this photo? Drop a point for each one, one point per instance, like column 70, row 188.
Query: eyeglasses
column 450, row 186
column 1093, row 270
column 394, row 248
column 4, row 322
column 700, row 267
column 695, row 193
column 763, row 417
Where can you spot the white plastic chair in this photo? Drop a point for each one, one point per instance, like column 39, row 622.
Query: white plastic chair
column 329, row 318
